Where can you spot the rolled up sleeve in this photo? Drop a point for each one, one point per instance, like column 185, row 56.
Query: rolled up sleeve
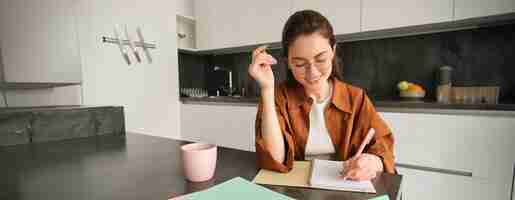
column 264, row 157
column 383, row 142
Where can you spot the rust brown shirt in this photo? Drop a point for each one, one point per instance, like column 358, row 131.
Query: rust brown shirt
column 348, row 116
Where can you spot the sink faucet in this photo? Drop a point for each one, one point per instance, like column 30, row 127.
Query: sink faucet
column 230, row 89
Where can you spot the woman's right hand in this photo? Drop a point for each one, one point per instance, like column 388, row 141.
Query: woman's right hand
column 261, row 68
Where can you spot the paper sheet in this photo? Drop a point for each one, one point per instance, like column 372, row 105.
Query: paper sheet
column 236, row 188
column 326, row 174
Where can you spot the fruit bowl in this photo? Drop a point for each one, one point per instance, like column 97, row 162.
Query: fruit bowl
column 411, row 91
column 412, row 94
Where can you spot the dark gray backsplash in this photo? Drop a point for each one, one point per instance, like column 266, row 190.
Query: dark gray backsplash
column 480, row 57
column 192, row 71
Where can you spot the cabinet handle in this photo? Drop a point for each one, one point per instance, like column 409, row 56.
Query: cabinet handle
column 23, row 130
column 19, row 132
column 437, row 170
column 512, row 183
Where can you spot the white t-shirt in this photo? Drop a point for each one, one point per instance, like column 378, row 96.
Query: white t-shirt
column 319, row 144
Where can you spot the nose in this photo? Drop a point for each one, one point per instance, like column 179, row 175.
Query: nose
column 312, row 72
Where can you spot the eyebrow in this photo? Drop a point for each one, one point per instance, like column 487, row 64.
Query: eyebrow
column 318, row 55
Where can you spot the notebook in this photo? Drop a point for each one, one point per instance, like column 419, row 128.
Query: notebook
column 297, row 177
column 325, row 174
column 301, row 174
column 236, row 188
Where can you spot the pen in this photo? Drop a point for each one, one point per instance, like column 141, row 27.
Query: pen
column 368, row 137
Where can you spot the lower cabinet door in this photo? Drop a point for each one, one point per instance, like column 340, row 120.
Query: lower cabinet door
column 426, row 185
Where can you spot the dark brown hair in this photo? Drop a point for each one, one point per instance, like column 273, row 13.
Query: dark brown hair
column 307, row 22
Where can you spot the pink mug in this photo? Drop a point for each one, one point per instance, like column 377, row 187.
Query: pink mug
column 199, row 161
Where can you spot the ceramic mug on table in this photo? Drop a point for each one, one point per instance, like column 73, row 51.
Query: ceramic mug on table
column 199, row 161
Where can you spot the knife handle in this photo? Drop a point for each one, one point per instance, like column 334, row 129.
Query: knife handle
column 126, row 56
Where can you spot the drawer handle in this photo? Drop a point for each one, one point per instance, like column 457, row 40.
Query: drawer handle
column 22, row 131
column 513, row 182
column 437, row 170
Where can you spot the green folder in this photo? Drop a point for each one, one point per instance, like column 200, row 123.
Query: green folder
column 382, row 197
column 237, row 188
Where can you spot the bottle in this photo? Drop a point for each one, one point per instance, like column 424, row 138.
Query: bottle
column 443, row 92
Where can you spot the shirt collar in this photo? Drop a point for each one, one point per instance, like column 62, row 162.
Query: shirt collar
column 340, row 98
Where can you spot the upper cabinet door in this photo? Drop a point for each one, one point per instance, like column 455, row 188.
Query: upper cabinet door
column 380, row 14
column 479, row 8
column 344, row 16
column 222, row 24
column 38, row 41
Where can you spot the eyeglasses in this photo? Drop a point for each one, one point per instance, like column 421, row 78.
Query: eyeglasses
column 321, row 65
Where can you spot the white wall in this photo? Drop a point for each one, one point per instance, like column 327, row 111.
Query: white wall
column 58, row 96
column 185, row 7
column 149, row 92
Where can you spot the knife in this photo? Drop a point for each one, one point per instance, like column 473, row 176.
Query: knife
column 120, row 45
column 131, row 44
column 142, row 42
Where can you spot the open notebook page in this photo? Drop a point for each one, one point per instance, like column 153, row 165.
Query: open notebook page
column 325, row 174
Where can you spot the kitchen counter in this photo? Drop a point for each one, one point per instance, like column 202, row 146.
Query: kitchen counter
column 383, row 105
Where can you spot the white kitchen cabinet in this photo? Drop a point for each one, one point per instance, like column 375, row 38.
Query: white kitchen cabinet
column 424, row 185
column 185, row 32
column 379, row 14
column 344, row 16
column 464, row 9
column 227, row 126
column 223, row 24
column 482, row 146
column 38, row 41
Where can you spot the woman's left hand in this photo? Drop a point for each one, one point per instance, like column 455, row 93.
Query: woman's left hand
column 364, row 167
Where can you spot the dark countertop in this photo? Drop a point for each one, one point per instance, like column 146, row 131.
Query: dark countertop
column 384, row 105
column 132, row 167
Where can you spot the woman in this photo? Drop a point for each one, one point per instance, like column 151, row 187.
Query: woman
column 314, row 114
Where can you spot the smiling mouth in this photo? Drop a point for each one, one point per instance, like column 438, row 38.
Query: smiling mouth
column 313, row 80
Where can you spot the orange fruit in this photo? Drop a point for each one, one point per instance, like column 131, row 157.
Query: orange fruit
column 415, row 88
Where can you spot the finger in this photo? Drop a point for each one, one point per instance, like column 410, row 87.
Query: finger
column 361, row 162
column 264, row 59
column 360, row 175
column 352, row 164
column 352, row 175
column 259, row 50
column 349, row 170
